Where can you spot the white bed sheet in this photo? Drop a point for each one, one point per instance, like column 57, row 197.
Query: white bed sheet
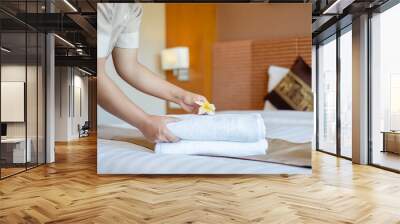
column 289, row 125
column 116, row 157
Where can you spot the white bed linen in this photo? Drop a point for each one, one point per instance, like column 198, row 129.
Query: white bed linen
column 289, row 125
column 115, row 157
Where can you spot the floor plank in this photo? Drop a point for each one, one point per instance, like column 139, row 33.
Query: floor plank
column 70, row 191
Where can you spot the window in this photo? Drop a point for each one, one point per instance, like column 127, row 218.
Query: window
column 394, row 101
column 327, row 95
column 330, row 133
column 346, row 92
column 385, row 87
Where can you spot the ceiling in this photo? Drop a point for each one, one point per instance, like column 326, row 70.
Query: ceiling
column 331, row 15
column 74, row 22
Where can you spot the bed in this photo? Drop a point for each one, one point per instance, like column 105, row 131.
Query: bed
column 122, row 157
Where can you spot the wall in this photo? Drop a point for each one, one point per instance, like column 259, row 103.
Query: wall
column 152, row 41
column 62, row 81
column 33, row 126
column 250, row 38
column 14, row 73
column 203, row 27
column 80, row 109
column 17, row 73
column 240, row 79
column 193, row 25
column 262, row 21
column 71, row 102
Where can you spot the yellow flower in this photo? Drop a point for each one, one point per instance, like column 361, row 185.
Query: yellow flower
column 206, row 108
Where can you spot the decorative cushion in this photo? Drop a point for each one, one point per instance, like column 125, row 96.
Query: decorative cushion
column 302, row 70
column 293, row 92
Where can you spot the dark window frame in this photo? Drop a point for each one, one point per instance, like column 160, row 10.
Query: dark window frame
column 340, row 30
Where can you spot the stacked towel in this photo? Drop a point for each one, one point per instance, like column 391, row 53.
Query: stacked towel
column 218, row 135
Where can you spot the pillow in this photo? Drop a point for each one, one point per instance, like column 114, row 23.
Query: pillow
column 276, row 74
column 302, row 70
column 293, row 92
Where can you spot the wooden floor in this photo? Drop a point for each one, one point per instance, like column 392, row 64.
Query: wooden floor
column 5, row 172
column 70, row 191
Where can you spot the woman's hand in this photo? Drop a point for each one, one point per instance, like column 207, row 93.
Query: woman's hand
column 188, row 101
column 154, row 128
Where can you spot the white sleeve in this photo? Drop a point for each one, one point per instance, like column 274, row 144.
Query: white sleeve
column 103, row 41
column 129, row 38
column 103, row 29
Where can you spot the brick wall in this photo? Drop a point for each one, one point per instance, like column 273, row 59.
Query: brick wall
column 240, row 68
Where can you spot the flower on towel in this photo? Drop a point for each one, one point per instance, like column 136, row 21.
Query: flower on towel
column 206, row 107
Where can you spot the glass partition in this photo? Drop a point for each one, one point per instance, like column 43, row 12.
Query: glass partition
column 13, row 108
column 22, row 90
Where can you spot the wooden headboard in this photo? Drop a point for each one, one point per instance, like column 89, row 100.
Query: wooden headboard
column 240, row 77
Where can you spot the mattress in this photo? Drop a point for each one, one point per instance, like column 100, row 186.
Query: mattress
column 117, row 157
column 120, row 157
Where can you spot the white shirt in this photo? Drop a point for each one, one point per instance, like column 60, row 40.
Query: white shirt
column 117, row 26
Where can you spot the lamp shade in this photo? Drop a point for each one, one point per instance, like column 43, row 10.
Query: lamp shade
column 175, row 58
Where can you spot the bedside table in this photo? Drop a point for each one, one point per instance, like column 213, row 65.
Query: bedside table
column 391, row 141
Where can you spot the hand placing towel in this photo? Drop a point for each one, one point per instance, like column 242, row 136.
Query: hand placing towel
column 214, row 148
column 220, row 127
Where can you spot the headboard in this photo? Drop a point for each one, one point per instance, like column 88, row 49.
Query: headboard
column 240, row 68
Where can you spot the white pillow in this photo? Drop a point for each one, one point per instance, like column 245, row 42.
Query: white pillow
column 276, row 74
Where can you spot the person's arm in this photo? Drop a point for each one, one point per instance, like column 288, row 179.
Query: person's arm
column 137, row 75
column 113, row 100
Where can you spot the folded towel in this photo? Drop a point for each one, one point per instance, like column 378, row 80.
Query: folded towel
column 214, row 148
column 220, row 127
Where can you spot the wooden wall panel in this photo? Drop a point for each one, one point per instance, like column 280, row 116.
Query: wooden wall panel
column 194, row 26
column 260, row 21
column 232, row 69
column 249, row 80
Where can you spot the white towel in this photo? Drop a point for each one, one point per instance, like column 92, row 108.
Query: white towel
column 219, row 135
column 213, row 148
column 220, row 127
